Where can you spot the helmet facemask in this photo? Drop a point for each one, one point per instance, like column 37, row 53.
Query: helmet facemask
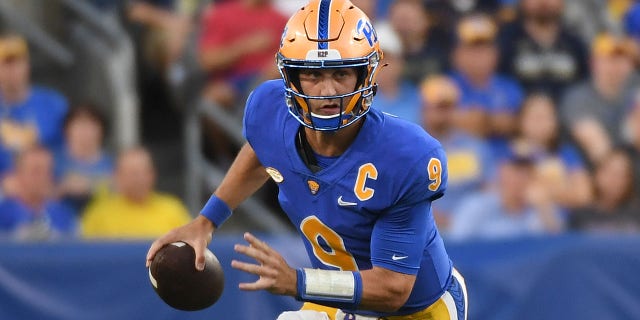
column 329, row 34
column 353, row 105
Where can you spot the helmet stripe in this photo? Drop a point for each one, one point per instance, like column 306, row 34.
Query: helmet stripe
column 323, row 24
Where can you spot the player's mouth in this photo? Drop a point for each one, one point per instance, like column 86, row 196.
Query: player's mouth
column 329, row 109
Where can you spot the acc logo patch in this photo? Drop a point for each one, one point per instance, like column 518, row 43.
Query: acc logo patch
column 275, row 174
column 313, row 186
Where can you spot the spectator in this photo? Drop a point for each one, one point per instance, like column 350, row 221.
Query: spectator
column 595, row 109
column 489, row 102
column 468, row 158
column 559, row 165
column 134, row 210
column 617, row 206
column 29, row 114
column 237, row 45
column 167, row 31
column 517, row 207
column 540, row 52
column 425, row 47
column 395, row 95
column 83, row 166
column 31, row 212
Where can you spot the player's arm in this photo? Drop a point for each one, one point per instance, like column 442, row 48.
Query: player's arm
column 397, row 244
column 400, row 235
column 378, row 289
column 385, row 290
column 245, row 176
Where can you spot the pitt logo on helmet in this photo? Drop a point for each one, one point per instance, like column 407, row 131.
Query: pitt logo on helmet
column 329, row 34
column 366, row 29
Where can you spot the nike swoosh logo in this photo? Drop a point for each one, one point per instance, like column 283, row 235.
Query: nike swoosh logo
column 396, row 258
column 343, row 203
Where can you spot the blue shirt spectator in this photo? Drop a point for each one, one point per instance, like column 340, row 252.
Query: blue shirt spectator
column 42, row 113
column 518, row 206
column 83, row 167
column 29, row 114
column 30, row 211
column 489, row 102
column 20, row 221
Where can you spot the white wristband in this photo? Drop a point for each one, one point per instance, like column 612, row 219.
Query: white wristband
column 326, row 283
column 338, row 289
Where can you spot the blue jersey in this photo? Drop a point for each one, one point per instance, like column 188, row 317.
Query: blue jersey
column 369, row 207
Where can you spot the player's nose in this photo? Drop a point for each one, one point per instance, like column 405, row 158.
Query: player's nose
column 328, row 88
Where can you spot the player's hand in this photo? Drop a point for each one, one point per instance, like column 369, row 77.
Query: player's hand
column 275, row 274
column 196, row 233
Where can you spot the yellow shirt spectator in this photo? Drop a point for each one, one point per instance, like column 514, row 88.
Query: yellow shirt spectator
column 117, row 217
column 135, row 209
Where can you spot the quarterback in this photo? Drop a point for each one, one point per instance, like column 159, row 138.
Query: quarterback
column 356, row 183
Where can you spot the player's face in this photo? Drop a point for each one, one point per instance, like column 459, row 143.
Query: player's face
column 327, row 82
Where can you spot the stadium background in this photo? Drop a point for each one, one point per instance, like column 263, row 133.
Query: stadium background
column 97, row 51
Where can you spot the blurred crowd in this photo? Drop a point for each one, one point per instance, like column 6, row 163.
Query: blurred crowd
column 536, row 102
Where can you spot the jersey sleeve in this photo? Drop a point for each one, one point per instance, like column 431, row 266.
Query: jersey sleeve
column 402, row 232
column 427, row 180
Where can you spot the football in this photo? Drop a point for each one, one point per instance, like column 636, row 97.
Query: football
column 179, row 284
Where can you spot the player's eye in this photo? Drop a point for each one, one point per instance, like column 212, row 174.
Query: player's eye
column 341, row 73
column 309, row 74
column 344, row 74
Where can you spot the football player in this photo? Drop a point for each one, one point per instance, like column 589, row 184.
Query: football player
column 357, row 184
